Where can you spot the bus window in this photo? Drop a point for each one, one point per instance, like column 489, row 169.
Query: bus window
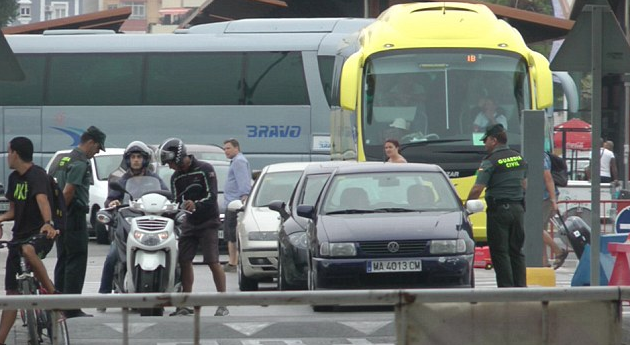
column 194, row 78
column 95, row 79
column 29, row 91
column 326, row 66
column 275, row 78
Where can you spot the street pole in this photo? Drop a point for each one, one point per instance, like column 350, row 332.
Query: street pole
column 596, row 126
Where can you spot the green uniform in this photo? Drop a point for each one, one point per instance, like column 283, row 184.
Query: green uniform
column 502, row 172
column 72, row 244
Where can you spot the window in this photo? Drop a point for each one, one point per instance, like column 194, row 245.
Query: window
column 326, row 66
column 95, row 79
column 29, row 91
column 59, row 9
column 25, row 11
column 138, row 9
column 275, row 78
column 194, row 79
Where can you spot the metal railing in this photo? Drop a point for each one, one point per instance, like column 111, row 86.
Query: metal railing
column 399, row 298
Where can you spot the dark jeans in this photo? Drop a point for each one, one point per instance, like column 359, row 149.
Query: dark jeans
column 506, row 236
column 107, row 276
column 72, row 253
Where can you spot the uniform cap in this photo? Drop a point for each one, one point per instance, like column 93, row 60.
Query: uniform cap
column 493, row 131
column 97, row 135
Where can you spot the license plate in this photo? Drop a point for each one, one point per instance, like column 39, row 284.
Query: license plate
column 4, row 206
column 380, row 266
column 221, row 234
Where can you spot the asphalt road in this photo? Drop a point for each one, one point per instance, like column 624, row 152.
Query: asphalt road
column 247, row 325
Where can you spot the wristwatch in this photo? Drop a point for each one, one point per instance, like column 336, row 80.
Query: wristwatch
column 51, row 223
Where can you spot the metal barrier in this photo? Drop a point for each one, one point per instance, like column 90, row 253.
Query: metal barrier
column 514, row 316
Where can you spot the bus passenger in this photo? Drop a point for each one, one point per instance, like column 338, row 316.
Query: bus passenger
column 488, row 115
column 392, row 151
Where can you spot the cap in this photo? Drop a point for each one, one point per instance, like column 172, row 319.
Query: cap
column 97, row 135
column 493, row 130
column 399, row 123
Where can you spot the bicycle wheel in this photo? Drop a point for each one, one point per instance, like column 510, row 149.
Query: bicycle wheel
column 28, row 287
column 58, row 330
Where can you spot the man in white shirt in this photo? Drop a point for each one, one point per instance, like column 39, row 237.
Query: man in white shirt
column 488, row 116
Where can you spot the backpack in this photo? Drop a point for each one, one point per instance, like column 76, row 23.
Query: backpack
column 559, row 170
column 58, row 205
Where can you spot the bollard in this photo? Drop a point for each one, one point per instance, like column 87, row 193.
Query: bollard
column 621, row 270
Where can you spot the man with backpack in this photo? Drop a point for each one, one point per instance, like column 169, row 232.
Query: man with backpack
column 30, row 198
column 553, row 176
column 74, row 177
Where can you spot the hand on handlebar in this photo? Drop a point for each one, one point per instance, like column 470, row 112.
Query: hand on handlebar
column 49, row 231
column 189, row 206
column 114, row 203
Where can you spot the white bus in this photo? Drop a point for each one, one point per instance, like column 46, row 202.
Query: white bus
column 265, row 82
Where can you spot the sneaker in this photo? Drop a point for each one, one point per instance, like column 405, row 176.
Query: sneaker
column 559, row 261
column 222, row 311
column 182, row 312
column 229, row 268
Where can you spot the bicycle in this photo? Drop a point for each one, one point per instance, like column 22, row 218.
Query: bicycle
column 38, row 322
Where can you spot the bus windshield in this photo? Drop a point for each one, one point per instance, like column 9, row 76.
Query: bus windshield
column 427, row 97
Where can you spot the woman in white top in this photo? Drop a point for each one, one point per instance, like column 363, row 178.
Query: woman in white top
column 392, row 152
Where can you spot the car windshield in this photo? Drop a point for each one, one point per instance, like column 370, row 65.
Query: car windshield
column 105, row 165
column 165, row 174
column 276, row 186
column 390, row 192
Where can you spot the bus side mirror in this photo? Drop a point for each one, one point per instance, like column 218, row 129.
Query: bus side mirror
column 543, row 81
column 350, row 81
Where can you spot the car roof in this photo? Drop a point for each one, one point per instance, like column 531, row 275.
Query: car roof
column 110, row 151
column 289, row 166
column 363, row 167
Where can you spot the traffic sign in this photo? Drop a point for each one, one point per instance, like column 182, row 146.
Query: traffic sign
column 622, row 222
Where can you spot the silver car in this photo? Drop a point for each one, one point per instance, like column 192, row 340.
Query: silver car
column 257, row 226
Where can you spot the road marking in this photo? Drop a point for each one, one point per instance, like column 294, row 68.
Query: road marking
column 247, row 328
column 134, row 327
column 366, row 327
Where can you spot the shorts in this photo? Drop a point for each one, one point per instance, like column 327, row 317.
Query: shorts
column 229, row 226
column 547, row 209
column 42, row 247
column 204, row 234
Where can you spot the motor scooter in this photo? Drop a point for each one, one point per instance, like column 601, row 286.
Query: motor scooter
column 145, row 232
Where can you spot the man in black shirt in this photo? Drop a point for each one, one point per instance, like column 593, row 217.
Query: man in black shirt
column 30, row 197
column 202, row 224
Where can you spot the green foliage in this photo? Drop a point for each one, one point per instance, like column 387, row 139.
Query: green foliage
column 538, row 6
column 8, row 11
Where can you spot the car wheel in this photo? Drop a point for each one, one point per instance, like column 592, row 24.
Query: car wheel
column 283, row 284
column 245, row 283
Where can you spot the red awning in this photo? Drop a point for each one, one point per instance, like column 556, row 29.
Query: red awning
column 174, row 11
column 575, row 133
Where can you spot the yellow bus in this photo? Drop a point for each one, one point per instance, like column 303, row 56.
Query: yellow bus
column 432, row 76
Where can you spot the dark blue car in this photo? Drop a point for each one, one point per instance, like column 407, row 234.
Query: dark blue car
column 384, row 225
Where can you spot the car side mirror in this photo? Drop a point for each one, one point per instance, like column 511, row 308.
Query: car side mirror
column 474, row 206
column 235, row 206
column 306, row 211
column 280, row 207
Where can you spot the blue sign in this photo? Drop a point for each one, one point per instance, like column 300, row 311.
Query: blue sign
column 622, row 222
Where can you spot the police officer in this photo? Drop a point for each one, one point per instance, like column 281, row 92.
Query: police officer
column 503, row 174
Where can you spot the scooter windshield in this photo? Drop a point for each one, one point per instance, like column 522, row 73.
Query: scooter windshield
column 137, row 186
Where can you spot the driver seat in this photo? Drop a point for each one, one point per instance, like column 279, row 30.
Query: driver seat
column 354, row 198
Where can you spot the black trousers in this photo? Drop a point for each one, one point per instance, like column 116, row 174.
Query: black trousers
column 72, row 254
column 506, row 236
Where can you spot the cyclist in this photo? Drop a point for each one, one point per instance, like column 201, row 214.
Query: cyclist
column 30, row 197
column 136, row 158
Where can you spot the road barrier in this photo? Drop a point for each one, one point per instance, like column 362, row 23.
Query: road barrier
column 546, row 316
